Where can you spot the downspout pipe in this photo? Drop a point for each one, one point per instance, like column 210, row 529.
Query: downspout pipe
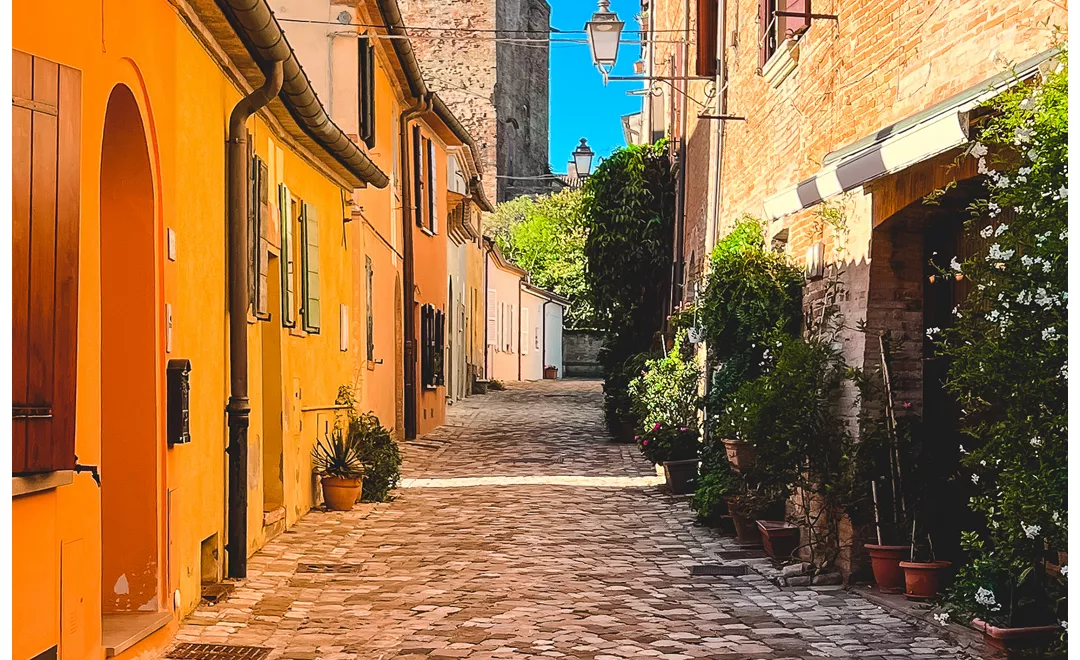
column 238, row 409
column 422, row 106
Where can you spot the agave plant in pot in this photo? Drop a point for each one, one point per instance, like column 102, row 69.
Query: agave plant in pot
column 336, row 459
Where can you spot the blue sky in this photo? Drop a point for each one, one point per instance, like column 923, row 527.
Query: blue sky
column 581, row 107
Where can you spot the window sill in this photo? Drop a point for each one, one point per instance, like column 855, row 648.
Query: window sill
column 426, row 231
column 37, row 483
column 782, row 63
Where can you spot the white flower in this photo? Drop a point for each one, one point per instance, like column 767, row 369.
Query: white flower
column 1001, row 229
column 1043, row 298
column 996, row 253
column 1031, row 531
column 1063, row 193
column 1027, row 104
column 1036, row 441
column 942, row 618
column 1064, row 235
column 1065, row 571
column 1055, row 517
column 987, row 231
column 1024, row 297
column 974, row 478
column 1050, row 334
column 932, row 331
column 985, row 597
column 994, row 211
column 962, row 450
column 1024, row 171
column 1022, row 135
column 979, row 150
column 1032, row 154
column 955, row 265
column 1065, row 625
column 983, row 169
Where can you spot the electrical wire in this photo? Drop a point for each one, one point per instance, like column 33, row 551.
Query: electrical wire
column 550, row 30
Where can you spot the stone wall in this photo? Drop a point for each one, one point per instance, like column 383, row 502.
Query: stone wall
column 581, row 350
column 498, row 90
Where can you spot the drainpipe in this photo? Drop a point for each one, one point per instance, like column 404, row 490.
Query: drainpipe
column 238, row 408
column 543, row 335
column 421, row 107
column 678, row 276
column 721, row 109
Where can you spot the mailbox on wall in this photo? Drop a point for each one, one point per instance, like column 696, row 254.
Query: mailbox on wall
column 178, row 379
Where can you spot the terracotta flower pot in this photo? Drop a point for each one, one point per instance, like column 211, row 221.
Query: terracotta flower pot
column 740, row 454
column 551, row 373
column 923, row 579
column 681, row 476
column 746, row 531
column 1013, row 640
column 340, row 494
column 885, row 560
column 780, row 538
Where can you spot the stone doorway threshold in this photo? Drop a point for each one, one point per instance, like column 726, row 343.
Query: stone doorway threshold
column 122, row 630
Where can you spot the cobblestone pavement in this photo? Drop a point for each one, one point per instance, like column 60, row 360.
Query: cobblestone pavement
column 565, row 549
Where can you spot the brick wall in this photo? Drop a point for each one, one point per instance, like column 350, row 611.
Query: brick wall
column 498, row 90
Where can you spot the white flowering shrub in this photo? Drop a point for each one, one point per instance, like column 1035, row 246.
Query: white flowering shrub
column 1008, row 350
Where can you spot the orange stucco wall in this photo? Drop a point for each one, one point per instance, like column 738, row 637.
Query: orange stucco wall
column 158, row 505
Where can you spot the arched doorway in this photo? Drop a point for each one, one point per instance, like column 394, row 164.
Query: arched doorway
column 130, row 411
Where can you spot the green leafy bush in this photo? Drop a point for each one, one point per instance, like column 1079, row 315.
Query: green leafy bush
column 1008, row 352
column 374, row 446
column 666, row 390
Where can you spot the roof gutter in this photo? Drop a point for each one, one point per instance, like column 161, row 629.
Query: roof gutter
column 255, row 24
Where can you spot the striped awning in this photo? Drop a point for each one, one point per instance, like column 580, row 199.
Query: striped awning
column 934, row 131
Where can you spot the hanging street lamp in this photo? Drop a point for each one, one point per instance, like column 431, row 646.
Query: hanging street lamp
column 604, row 30
column 583, row 156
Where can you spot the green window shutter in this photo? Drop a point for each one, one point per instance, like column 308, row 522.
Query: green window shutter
column 312, row 307
column 253, row 227
column 369, row 292
column 288, row 261
column 418, row 177
column 262, row 241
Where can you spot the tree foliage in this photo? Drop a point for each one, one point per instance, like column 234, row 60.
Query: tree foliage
column 545, row 235
column 629, row 204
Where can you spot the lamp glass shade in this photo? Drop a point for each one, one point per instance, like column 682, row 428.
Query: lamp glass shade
column 583, row 156
column 604, row 31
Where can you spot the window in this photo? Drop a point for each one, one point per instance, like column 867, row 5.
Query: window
column 258, row 243
column 418, row 177
column 772, row 29
column 45, row 262
column 508, row 335
column 369, row 272
column 432, row 206
column 501, row 345
column 432, row 346
column 523, row 343
column 492, row 318
column 706, row 36
column 366, row 88
column 311, row 311
column 287, row 210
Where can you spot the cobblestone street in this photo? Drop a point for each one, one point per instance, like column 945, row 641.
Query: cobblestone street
column 522, row 531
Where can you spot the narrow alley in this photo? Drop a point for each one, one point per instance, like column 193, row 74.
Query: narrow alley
column 522, row 531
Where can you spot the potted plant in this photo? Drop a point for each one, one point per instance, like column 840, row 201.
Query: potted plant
column 923, row 579
column 676, row 449
column 748, row 507
column 780, row 538
column 551, row 372
column 740, row 454
column 337, row 460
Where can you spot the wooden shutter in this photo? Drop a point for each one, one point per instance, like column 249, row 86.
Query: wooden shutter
column 369, row 280
column 46, row 123
column 439, row 347
column 418, row 177
column 492, row 317
column 288, row 259
column 309, row 229
column 262, row 243
column 366, row 88
column 764, row 18
column 523, row 342
column 706, row 36
column 432, row 211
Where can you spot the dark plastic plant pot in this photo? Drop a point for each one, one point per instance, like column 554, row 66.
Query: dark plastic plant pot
column 885, row 560
column 746, row 529
column 740, row 454
column 681, row 476
column 923, row 579
column 780, row 538
column 1015, row 640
